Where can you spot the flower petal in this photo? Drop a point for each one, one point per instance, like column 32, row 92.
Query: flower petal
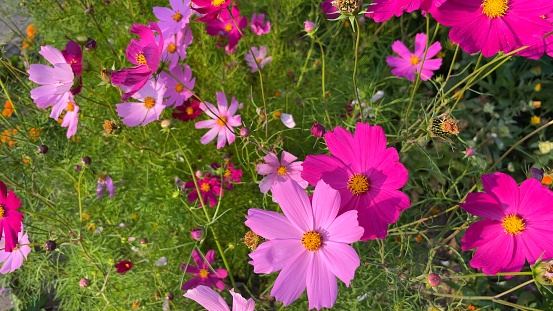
column 322, row 288
column 271, row 225
column 295, row 204
column 207, row 298
column 291, row 281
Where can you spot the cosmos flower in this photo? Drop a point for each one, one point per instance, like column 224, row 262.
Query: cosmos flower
column 279, row 171
column 174, row 19
column 259, row 26
column 366, row 173
column 71, row 117
column 14, row 259
column 148, row 108
column 223, row 118
column 309, row 244
column 516, row 225
column 10, row 217
column 257, row 58
column 175, row 45
column 383, row 10
column 211, row 9
column 411, row 63
column 123, row 266
column 179, row 85
column 190, row 110
column 209, row 189
column 228, row 26
column 105, row 183
column 203, row 273
column 329, row 9
column 212, row 301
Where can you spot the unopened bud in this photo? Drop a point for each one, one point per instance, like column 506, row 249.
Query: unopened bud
column 197, row 234
column 244, row 132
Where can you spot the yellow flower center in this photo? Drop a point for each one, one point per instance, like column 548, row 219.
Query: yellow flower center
column 179, row 88
column 277, row 114
column 513, row 224
column 177, row 16
column 281, row 170
column 228, row 27
column 227, row 173
column 70, row 107
column 205, row 187
column 217, row 2
column 171, row 48
column 414, row 60
column 222, row 121
column 204, row 273
column 358, row 184
column 2, row 211
column 258, row 60
column 189, row 111
column 149, row 102
column 127, row 265
column 140, row 59
column 494, row 8
column 311, row 240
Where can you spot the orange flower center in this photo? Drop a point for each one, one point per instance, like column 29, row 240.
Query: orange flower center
column 281, row 170
column 358, row 184
column 258, row 60
column 149, row 102
column 172, row 48
column 227, row 173
column 228, row 27
column 205, row 187
column 513, row 224
column 222, row 121
column 217, row 3
column 277, row 114
column 177, row 16
column 414, row 60
column 140, row 59
column 189, row 111
column 495, row 8
column 311, row 240
column 204, row 273
column 2, row 211
column 179, row 88
column 70, row 107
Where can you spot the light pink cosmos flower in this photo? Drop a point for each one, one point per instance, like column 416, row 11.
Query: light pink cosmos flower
column 203, row 271
column 212, row 301
column 223, row 119
column 366, row 173
column 279, row 171
column 516, row 225
column 148, row 109
column 257, row 58
column 10, row 220
column 175, row 45
column 258, row 25
column 493, row 26
column 411, row 63
column 174, row 19
column 71, row 117
column 14, row 259
column 178, row 91
column 309, row 243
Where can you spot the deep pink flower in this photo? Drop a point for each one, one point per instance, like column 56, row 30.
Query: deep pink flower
column 145, row 54
column 210, row 8
column 330, row 10
column 516, row 224
column 105, row 183
column 223, row 118
column 175, row 45
column 230, row 174
column 257, row 58
column 148, row 109
column 123, row 266
column 74, row 57
column 10, row 217
column 14, row 259
column 318, row 130
column 279, row 171
column 536, row 50
column 383, row 10
column 228, row 26
column 180, row 89
column 174, row 19
column 190, row 110
column 309, row 243
column 212, row 301
column 209, row 189
column 204, row 275
column 493, row 26
column 410, row 63
column 259, row 27
column 366, row 173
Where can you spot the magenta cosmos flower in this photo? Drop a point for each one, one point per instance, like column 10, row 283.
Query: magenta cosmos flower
column 330, row 10
column 223, row 119
column 10, row 217
column 491, row 26
column 204, row 274
column 383, row 10
column 366, row 173
column 148, row 109
column 516, row 224
column 278, row 171
column 174, row 19
column 228, row 26
column 190, row 110
column 411, row 63
column 309, row 243
column 145, row 54
column 258, row 24
column 209, row 189
column 212, row 301
column 210, row 8
column 179, row 85
column 74, row 57
column 257, row 58
column 14, row 259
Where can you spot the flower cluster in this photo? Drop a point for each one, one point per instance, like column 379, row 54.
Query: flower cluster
column 13, row 243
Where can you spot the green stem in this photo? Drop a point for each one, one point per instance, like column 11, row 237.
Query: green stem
column 304, row 68
column 356, row 59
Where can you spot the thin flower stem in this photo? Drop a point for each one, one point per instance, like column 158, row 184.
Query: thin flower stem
column 323, row 70
column 304, row 68
column 356, row 60
column 514, row 288
column 79, row 196
column 499, row 301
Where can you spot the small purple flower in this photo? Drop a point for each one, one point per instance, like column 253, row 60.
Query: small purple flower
column 105, row 183
column 174, row 46
column 258, row 25
column 179, row 89
column 278, row 171
column 257, row 58
column 203, row 272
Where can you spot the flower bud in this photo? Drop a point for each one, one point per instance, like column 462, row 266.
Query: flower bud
column 86, row 160
column 84, row 282
column 169, row 297
column 143, row 241
column 197, row 234
column 90, row 45
column 434, row 279
column 244, row 132
column 309, row 27
column 165, row 124
column 50, row 245
column 42, row 149
column 470, row 152
column 318, row 130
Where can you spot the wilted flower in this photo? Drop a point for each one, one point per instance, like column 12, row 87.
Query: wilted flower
column 105, row 183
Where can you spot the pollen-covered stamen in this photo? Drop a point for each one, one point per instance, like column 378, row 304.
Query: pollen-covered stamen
column 227, row 173
column 2, row 211
column 258, row 60
column 415, row 60
column 495, row 8
column 513, row 224
column 205, row 187
column 228, row 27
column 222, row 121
column 204, row 273
column 189, row 111
column 217, row 3
column 172, row 48
column 179, row 88
column 277, row 114
column 311, row 240
column 70, row 107
column 140, row 58
column 281, row 170
column 149, row 102
column 177, row 17
column 358, row 184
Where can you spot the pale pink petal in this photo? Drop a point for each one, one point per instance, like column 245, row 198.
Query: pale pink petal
column 222, row 103
column 265, row 169
column 286, row 158
column 240, row 303
column 345, row 228
column 291, row 281
column 295, row 204
column 401, row 50
column 209, row 136
column 221, row 138
column 271, row 225
column 326, row 203
column 287, row 120
column 207, row 298
column 272, row 256
column 53, row 55
column 322, row 288
column 341, row 259
column 267, row 182
column 205, row 124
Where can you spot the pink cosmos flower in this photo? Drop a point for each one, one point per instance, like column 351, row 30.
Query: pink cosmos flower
column 258, row 25
column 204, row 274
column 210, row 8
column 105, row 183
column 190, row 110
column 175, row 45
column 174, row 19
column 209, row 189
column 56, row 81
column 257, row 58
column 178, row 91
column 366, row 174
column 228, row 26
column 330, row 10
column 10, row 217
column 71, row 117
column 145, row 54
column 493, row 26
column 230, row 174
column 148, row 109
column 410, row 63
column 516, row 224
column 74, row 57
column 279, row 171
column 309, row 243
column 14, row 259
column 537, row 50
column 383, row 10
column 223, row 119
column 212, row 301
